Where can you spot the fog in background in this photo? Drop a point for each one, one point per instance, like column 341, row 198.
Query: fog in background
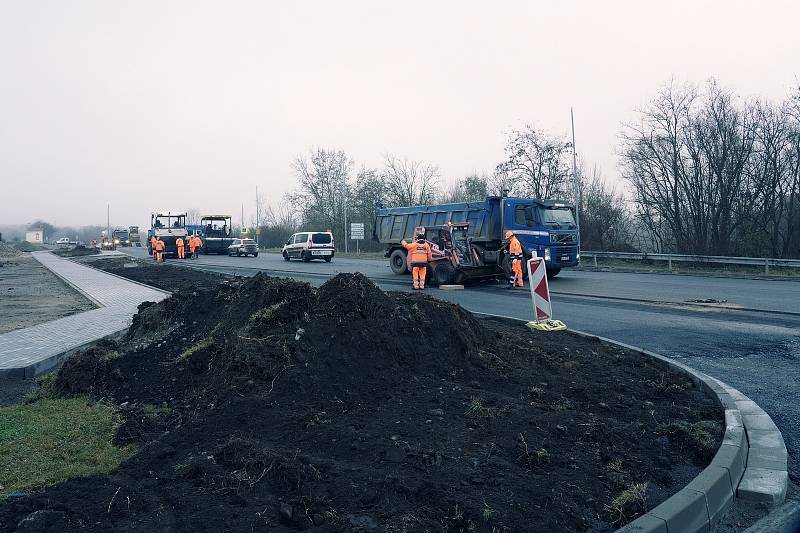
column 156, row 105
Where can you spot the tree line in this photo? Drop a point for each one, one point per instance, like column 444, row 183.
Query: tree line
column 703, row 171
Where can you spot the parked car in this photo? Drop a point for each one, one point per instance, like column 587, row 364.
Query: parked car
column 310, row 245
column 243, row 247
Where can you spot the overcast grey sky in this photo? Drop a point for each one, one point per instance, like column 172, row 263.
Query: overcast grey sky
column 191, row 104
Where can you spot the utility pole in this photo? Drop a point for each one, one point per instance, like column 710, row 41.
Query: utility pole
column 575, row 180
column 108, row 221
column 258, row 219
column 241, row 225
column 345, row 225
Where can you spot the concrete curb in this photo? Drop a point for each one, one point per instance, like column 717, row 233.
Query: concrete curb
column 751, row 462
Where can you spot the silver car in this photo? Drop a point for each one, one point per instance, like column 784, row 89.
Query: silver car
column 242, row 247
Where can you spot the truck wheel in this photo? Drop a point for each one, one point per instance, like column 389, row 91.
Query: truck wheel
column 507, row 267
column 444, row 274
column 398, row 263
column 255, row 254
column 553, row 272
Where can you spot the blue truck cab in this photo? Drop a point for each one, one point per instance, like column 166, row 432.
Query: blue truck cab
column 545, row 226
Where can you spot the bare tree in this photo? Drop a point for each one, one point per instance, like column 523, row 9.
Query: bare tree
column 471, row 188
column 193, row 217
column 409, row 182
column 536, row 165
column 605, row 220
column 324, row 188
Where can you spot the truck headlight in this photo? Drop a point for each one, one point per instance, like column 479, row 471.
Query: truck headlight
column 547, row 254
column 578, row 256
column 116, row 241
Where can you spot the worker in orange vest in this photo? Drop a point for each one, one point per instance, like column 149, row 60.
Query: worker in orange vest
column 179, row 244
column 159, row 250
column 194, row 244
column 153, row 246
column 516, row 255
column 419, row 255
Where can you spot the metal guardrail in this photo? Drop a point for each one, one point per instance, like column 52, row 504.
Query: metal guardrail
column 766, row 262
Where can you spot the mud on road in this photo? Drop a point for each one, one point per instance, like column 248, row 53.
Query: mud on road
column 267, row 404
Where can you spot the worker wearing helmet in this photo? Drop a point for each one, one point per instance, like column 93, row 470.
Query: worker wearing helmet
column 179, row 244
column 419, row 255
column 516, row 255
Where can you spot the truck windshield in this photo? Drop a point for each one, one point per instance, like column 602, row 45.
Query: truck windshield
column 557, row 216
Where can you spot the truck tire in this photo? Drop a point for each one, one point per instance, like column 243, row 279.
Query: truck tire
column 398, row 262
column 553, row 272
column 444, row 274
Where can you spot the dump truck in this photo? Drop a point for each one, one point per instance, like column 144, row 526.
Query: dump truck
column 133, row 234
column 167, row 226
column 216, row 233
column 546, row 227
column 120, row 238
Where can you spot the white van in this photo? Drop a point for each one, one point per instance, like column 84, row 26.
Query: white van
column 310, row 245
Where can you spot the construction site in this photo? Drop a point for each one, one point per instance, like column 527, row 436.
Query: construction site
column 266, row 403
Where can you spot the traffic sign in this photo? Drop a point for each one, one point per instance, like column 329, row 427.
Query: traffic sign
column 243, row 230
column 357, row 231
column 540, row 291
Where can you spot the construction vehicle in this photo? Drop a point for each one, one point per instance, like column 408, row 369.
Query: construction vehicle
column 546, row 227
column 167, row 226
column 120, row 238
column 133, row 235
column 105, row 242
column 216, row 232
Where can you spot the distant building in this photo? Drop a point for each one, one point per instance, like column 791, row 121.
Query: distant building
column 35, row 235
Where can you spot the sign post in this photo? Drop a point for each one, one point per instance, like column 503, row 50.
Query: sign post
column 540, row 294
column 357, row 233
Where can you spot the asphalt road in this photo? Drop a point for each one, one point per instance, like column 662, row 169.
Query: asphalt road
column 758, row 352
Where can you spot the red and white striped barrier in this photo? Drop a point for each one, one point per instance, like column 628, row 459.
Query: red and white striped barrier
column 540, row 290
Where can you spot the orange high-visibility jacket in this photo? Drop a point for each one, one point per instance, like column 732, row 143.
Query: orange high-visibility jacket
column 419, row 254
column 159, row 245
column 515, row 248
column 153, row 241
column 179, row 242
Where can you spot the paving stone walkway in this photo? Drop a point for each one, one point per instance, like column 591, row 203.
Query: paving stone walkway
column 31, row 351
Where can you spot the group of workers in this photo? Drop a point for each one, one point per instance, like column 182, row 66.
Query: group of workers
column 420, row 254
column 192, row 242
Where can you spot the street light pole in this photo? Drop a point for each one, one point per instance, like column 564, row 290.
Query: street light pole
column 576, row 184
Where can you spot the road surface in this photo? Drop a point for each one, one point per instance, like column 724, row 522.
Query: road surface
column 757, row 352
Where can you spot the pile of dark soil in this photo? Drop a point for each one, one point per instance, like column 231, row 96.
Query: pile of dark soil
column 165, row 276
column 265, row 404
column 77, row 251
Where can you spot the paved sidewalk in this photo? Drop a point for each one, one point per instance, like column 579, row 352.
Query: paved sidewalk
column 31, row 351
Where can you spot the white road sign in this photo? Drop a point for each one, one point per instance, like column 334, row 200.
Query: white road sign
column 357, row 231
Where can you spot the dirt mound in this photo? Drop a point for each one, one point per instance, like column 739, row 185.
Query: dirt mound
column 267, row 404
column 77, row 251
